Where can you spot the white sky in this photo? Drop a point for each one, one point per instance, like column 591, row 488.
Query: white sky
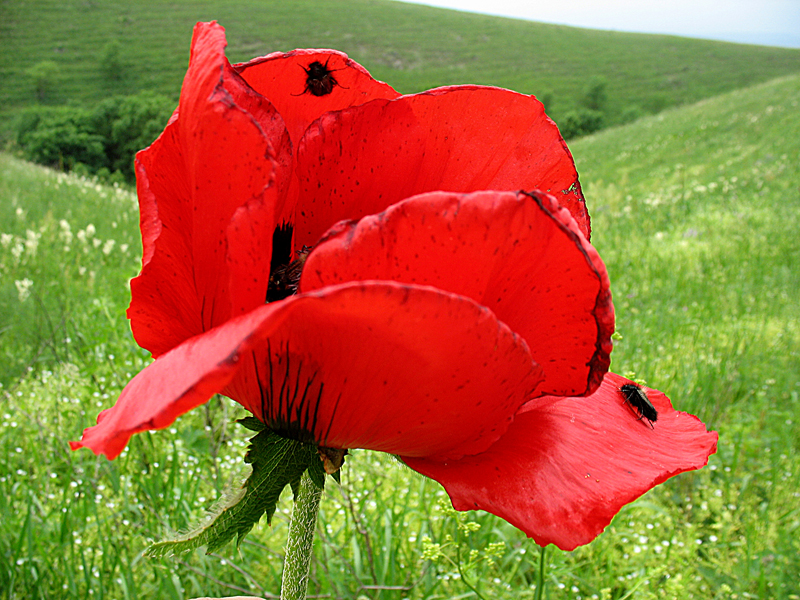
column 767, row 22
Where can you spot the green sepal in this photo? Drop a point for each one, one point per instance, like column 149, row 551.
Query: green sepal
column 276, row 462
column 252, row 423
column 316, row 471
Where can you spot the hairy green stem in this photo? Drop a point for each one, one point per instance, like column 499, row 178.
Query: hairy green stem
column 540, row 585
column 301, row 540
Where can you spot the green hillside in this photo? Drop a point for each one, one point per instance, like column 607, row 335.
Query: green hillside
column 105, row 47
column 695, row 212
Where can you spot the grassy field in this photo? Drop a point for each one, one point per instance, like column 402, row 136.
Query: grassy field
column 695, row 212
column 101, row 48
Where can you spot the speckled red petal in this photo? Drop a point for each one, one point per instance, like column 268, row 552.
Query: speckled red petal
column 461, row 139
column 396, row 368
column 377, row 365
column 520, row 255
column 217, row 155
column 283, row 78
column 566, row 466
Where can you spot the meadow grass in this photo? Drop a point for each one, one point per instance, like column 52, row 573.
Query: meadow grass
column 695, row 213
column 411, row 46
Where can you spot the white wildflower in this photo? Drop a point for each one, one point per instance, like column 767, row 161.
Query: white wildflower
column 23, row 288
column 18, row 249
column 66, row 231
column 32, row 241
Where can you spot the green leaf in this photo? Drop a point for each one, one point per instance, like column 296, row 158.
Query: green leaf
column 276, row 462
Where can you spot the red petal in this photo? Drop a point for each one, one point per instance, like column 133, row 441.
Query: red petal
column 521, row 256
column 214, row 158
column 566, row 466
column 384, row 366
column 462, row 139
column 180, row 380
column 281, row 77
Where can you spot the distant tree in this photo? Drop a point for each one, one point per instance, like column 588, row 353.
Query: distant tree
column 657, row 101
column 546, row 97
column 631, row 113
column 112, row 64
column 44, row 75
column 595, row 97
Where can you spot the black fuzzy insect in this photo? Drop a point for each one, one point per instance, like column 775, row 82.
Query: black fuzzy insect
column 637, row 398
column 319, row 79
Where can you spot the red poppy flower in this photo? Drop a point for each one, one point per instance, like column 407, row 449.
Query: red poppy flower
column 451, row 326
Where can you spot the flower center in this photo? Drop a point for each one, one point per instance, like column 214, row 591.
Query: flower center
column 284, row 273
column 291, row 398
column 292, row 395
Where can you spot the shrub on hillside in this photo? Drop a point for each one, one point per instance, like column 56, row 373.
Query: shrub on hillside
column 582, row 121
column 631, row 113
column 128, row 124
column 60, row 137
column 103, row 139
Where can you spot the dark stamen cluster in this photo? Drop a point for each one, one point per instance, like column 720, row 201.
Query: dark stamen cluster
column 291, row 396
column 284, row 272
column 283, row 281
